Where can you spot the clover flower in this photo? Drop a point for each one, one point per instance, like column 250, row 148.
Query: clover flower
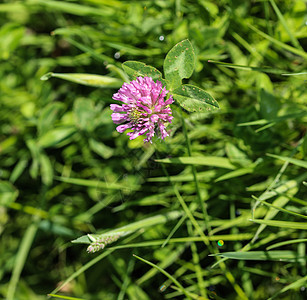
column 144, row 110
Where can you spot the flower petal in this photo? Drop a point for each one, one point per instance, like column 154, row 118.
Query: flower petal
column 116, row 108
column 118, row 118
column 122, row 128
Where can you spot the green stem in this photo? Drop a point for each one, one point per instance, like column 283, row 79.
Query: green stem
column 213, row 249
column 21, row 257
column 173, row 279
column 25, row 247
column 194, row 172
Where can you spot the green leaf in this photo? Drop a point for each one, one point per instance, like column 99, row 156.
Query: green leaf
column 135, row 69
column 35, row 153
column 261, row 255
column 84, row 112
column 118, row 71
column 55, row 136
column 237, row 156
column 18, row 169
column 10, row 36
column 12, row 7
column 87, row 79
column 210, row 7
column 72, row 8
column 235, row 173
column 8, row 193
column 269, row 105
column 100, row 148
column 215, row 161
column 48, row 116
column 194, row 99
column 7, row 144
column 46, row 169
column 148, row 222
column 300, row 163
column 179, row 63
column 97, row 184
column 284, row 224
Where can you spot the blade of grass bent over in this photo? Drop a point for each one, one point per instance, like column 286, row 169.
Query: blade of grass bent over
column 176, row 282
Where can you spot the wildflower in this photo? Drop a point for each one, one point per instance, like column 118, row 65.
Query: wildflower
column 144, row 110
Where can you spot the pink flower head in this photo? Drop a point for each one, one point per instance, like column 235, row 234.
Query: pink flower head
column 144, row 108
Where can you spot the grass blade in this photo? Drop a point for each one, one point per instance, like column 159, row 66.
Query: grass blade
column 280, row 208
column 87, row 79
column 295, row 74
column 214, row 161
column 96, row 183
column 297, row 162
column 286, row 243
column 282, row 20
column 247, row 68
column 64, row 297
column 148, row 222
column 278, row 43
column 261, row 255
column 174, row 280
column 294, row 285
column 71, row 8
column 235, row 173
column 21, row 257
column 285, row 224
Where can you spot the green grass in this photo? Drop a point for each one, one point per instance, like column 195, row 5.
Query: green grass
column 216, row 211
